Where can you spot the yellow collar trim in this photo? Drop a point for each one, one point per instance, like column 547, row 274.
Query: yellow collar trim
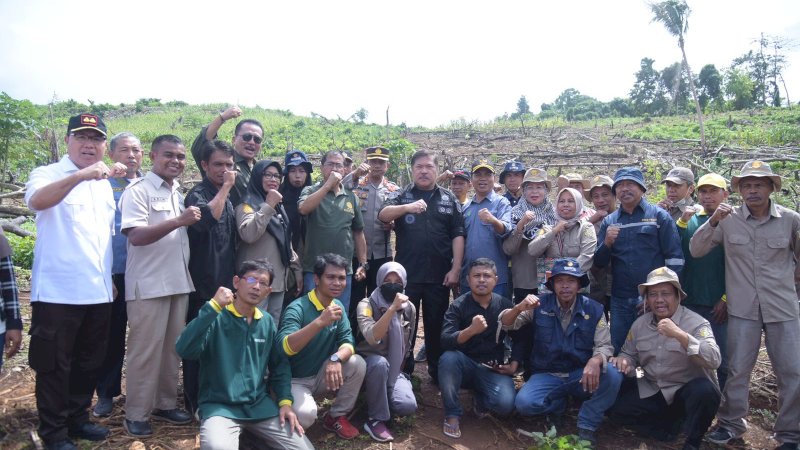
column 312, row 296
column 257, row 314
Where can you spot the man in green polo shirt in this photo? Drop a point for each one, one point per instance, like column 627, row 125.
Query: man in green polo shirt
column 234, row 342
column 316, row 336
column 335, row 224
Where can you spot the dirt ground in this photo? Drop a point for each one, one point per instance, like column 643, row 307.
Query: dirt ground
column 18, row 421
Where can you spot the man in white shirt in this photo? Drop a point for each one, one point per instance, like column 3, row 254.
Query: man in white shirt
column 74, row 208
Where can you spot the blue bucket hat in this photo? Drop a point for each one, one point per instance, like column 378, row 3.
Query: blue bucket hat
column 628, row 173
column 296, row 158
column 511, row 167
column 567, row 266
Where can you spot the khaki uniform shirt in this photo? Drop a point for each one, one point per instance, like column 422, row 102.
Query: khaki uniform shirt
column 370, row 200
column 666, row 364
column 161, row 268
column 366, row 322
column 579, row 242
column 523, row 265
column 761, row 270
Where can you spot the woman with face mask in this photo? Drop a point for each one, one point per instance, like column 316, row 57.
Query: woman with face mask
column 570, row 237
column 266, row 234
column 386, row 320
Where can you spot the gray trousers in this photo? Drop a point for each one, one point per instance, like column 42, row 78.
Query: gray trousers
column 222, row 433
column 783, row 348
column 381, row 401
column 303, row 390
column 153, row 364
column 273, row 304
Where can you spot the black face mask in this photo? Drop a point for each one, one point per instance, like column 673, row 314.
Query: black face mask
column 390, row 290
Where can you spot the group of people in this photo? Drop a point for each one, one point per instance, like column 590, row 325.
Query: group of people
column 277, row 288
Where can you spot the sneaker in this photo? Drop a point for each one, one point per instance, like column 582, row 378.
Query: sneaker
column 103, row 407
column 137, row 429
column 479, row 411
column 89, row 431
column 377, row 429
column 720, row 436
column 421, row 355
column 340, row 425
column 587, row 435
column 176, row 416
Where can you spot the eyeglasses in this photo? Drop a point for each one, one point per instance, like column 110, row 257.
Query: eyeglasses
column 334, row 165
column 253, row 280
column 247, row 137
column 271, row 176
column 82, row 138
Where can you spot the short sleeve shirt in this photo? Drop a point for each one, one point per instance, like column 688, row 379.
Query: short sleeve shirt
column 425, row 241
column 330, row 225
column 73, row 240
column 161, row 268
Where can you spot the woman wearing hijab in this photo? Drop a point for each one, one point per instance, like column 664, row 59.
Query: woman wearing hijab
column 386, row 320
column 297, row 175
column 570, row 237
column 265, row 231
column 530, row 214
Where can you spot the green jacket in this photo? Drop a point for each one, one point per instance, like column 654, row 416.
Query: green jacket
column 238, row 364
column 703, row 279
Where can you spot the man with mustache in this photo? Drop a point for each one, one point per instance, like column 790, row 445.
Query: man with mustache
column 570, row 346
column 247, row 138
column 635, row 239
column 761, row 240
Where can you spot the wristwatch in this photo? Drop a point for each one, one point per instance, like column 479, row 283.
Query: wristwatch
column 335, row 358
column 365, row 265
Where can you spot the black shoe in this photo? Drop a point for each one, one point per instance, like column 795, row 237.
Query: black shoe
column 137, row 429
column 587, row 435
column 89, row 431
column 176, row 416
column 720, row 436
column 62, row 445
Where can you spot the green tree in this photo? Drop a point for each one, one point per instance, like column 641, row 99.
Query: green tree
column 18, row 123
column 710, row 83
column 739, row 86
column 522, row 106
column 647, row 94
column 674, row 15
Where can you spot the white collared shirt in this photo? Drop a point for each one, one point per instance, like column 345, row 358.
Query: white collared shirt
column 72, row 256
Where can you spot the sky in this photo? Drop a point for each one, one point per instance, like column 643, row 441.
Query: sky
column 430, row 62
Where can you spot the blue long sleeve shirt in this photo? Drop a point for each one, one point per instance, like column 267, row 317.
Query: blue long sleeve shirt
column 482, row 241
column 648, row 239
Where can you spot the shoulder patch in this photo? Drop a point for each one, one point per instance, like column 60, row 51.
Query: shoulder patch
column 368, row 311
column 630, row 335
column 248, row 209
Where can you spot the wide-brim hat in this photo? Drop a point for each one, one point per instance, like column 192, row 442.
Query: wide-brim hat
column 628, row 173
column 511, row 167
column 536, row 175
column 598, row 181
column 662, row 275
column 758, row 169
column 567, row 266
column 572, row 177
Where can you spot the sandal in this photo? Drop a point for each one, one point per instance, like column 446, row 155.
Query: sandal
column 452, row 430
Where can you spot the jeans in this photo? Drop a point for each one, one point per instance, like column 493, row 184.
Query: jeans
column 493, row 391
column 308, row 285
column 623, row 314
column 544, row 393
column 720, row 331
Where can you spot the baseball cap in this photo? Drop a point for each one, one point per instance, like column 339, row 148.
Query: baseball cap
column 679, row 175
column 86, row 121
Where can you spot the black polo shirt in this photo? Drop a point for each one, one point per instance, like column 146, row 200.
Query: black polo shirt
column 425, row 241
column 485, row 347
column 212, row 243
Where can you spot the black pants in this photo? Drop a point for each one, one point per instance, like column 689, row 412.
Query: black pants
column 694, row 405
column 68, row 345
column 191, row 367
column 435, row 299
column 109, row 378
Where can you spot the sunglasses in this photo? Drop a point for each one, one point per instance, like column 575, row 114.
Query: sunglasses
column 247, row 137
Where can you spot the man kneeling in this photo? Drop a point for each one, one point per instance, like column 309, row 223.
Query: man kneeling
column 316, row 335
column 571, row 344
column 474, row 350
column 233, row 340
column 675, row 348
